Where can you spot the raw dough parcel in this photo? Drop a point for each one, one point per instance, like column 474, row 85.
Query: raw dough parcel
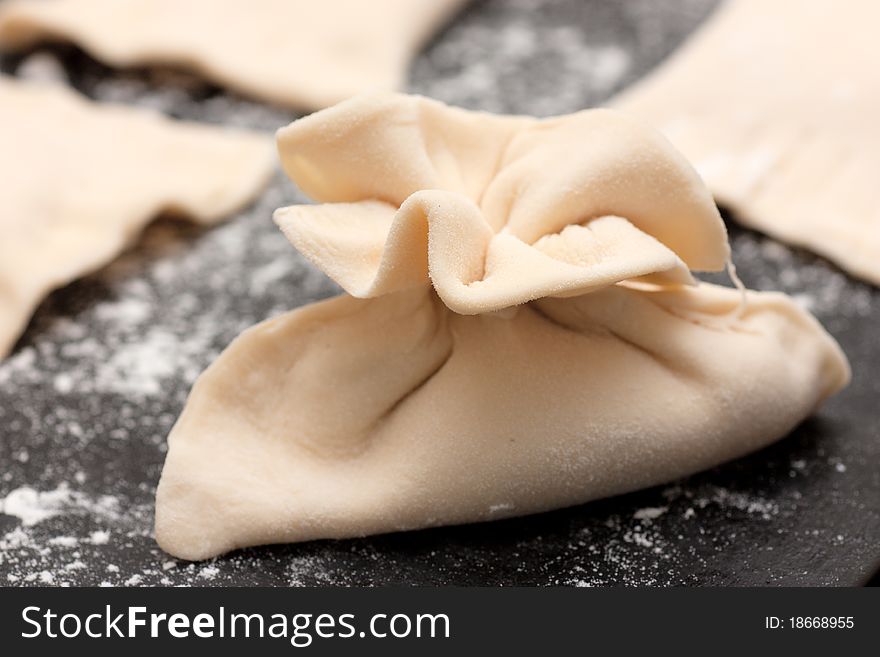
column 78, row 181
column 304, row 53
column 528, row 335
column 777, row 105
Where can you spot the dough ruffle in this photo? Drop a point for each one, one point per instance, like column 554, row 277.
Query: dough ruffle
column 493, row 211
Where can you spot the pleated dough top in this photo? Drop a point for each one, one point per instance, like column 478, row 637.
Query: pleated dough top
column 493, row 211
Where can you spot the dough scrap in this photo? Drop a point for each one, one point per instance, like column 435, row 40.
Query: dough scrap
column 79, row 181
column 776, row 105
column 301, row 53
column 461, row 390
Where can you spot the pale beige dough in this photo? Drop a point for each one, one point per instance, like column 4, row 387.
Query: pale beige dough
column 776, row 104
column 492, row 196
column 78, row 182
column 534, row 341
column 303, row 53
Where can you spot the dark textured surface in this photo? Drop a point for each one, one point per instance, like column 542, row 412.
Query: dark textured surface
column 91, row 390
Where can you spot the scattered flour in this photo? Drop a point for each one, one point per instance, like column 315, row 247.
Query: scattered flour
column 555, row 70
column 209, row 572
column 32, row 507
column 650, row 512
column 270, row 273
column 100, row 537
column 140, row 368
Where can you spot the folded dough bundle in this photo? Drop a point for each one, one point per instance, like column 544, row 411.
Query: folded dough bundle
column 776, row 104
column 304, row 53
column 78, row 182
column 528, row 337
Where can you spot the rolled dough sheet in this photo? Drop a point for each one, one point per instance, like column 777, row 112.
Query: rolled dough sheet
column 777, row 105
column 78, row 181
column 302, row 53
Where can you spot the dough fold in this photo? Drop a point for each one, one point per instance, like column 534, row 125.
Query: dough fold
column 495, row 211
column 303, row 53
column 79, row 181
column 435, row 401
column 776, row 105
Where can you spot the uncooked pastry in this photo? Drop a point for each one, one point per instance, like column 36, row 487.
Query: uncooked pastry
column 78, row 182
column 473, row 385
column 776, row 104
column 304, row 53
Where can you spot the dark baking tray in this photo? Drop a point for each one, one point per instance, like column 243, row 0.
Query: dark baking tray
column 84, row 410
